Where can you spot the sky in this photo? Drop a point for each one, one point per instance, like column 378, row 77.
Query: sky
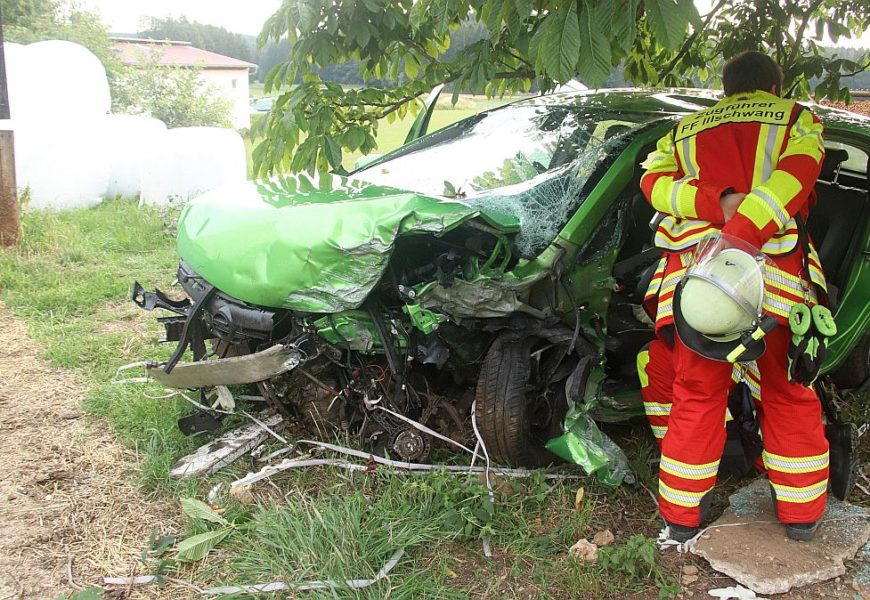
column 125, row 16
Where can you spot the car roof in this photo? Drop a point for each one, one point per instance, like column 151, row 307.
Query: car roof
column 670, row 101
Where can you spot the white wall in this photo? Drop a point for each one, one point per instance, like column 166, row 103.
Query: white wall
column 233, row 85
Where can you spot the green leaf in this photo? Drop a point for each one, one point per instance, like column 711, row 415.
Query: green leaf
column 91, row 593
column 197, row 509
column 333, row 151
column 624, row 27
column 198, row 546
column 560, row 43
column 667, row 22
column 594, row 63
column 354, row 138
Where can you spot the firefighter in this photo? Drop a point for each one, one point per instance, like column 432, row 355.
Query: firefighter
column 745, row 169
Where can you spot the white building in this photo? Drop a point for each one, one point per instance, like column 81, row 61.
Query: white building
column 226, row 74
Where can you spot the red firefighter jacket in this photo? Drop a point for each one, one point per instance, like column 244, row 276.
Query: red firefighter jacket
column 766, row 147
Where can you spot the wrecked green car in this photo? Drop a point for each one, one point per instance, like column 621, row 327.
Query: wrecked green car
column 498, row 263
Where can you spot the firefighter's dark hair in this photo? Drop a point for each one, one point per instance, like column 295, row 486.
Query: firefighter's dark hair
column 750, row 71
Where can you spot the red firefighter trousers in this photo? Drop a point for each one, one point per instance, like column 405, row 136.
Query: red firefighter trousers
column 795, row 448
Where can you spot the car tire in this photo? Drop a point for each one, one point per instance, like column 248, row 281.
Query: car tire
column 505, row 411
column 856, row 368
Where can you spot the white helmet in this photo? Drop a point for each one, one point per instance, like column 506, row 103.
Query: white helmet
column 717, row 305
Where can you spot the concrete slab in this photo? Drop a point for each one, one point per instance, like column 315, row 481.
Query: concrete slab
column 749, row 545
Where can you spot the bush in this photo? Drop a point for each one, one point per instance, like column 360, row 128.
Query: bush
column 175, row 95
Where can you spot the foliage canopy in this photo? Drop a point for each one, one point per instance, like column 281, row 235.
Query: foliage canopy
column 526, row 43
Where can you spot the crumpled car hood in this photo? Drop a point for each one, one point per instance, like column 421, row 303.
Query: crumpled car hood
column 310, row 244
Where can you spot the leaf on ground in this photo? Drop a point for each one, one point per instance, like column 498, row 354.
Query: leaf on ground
column 197, row 509
column 198, row 546
column 578, row 498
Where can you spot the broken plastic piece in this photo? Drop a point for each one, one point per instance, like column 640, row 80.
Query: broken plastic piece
column 736, row 592
column 584, row 444
column 229, row 371
column 224, row 450
column 128, row 581
column 279, row 586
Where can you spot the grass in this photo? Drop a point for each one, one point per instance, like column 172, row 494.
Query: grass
column 70, row 281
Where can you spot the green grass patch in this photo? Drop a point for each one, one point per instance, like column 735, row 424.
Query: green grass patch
column 70, row 281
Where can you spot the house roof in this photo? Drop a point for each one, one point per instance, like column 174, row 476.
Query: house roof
column 134, row 51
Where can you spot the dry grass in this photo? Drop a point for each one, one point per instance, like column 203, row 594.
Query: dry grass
column 70, row 510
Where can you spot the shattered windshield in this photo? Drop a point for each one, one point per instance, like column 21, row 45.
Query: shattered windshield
column 527, row 162
column 497, row 149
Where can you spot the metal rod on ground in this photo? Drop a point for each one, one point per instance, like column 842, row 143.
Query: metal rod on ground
column 10, row 230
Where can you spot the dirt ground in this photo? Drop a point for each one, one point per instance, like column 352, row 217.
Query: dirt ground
column 68, row 510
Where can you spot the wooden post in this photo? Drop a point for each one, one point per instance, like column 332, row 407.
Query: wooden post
column 10, row 229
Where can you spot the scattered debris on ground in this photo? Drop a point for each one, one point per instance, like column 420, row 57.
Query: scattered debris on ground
column 584, row 550
column 748, row 544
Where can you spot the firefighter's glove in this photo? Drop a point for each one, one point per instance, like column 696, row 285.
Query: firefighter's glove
column 810, row 329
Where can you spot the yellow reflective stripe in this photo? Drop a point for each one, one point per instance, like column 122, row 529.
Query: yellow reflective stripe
column 766, row 203
column 818, row 277
column 677, row 227
column 656, row 280
column 671, row 228
column 665, row 309
column 657, row 408
column 659, row 430
column 728, row 415
column 675, row 197
column 805, row 138
column 683, row 199
column 642, row 362
column 779, row 279
column 763, row 158
column 782, row 241
column 776, row 306
column 800, row 464
column 799, row 495
column 670, row 282
column 681, row 497
column 661, row 160
column 688, row 470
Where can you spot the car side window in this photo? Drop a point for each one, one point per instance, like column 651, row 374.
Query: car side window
column 856, row 161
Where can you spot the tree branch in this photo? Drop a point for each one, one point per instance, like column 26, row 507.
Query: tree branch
column 691, row 40
column 859, row 71
column 799, row 35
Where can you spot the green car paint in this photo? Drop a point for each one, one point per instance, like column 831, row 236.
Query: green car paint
column 316, row 246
